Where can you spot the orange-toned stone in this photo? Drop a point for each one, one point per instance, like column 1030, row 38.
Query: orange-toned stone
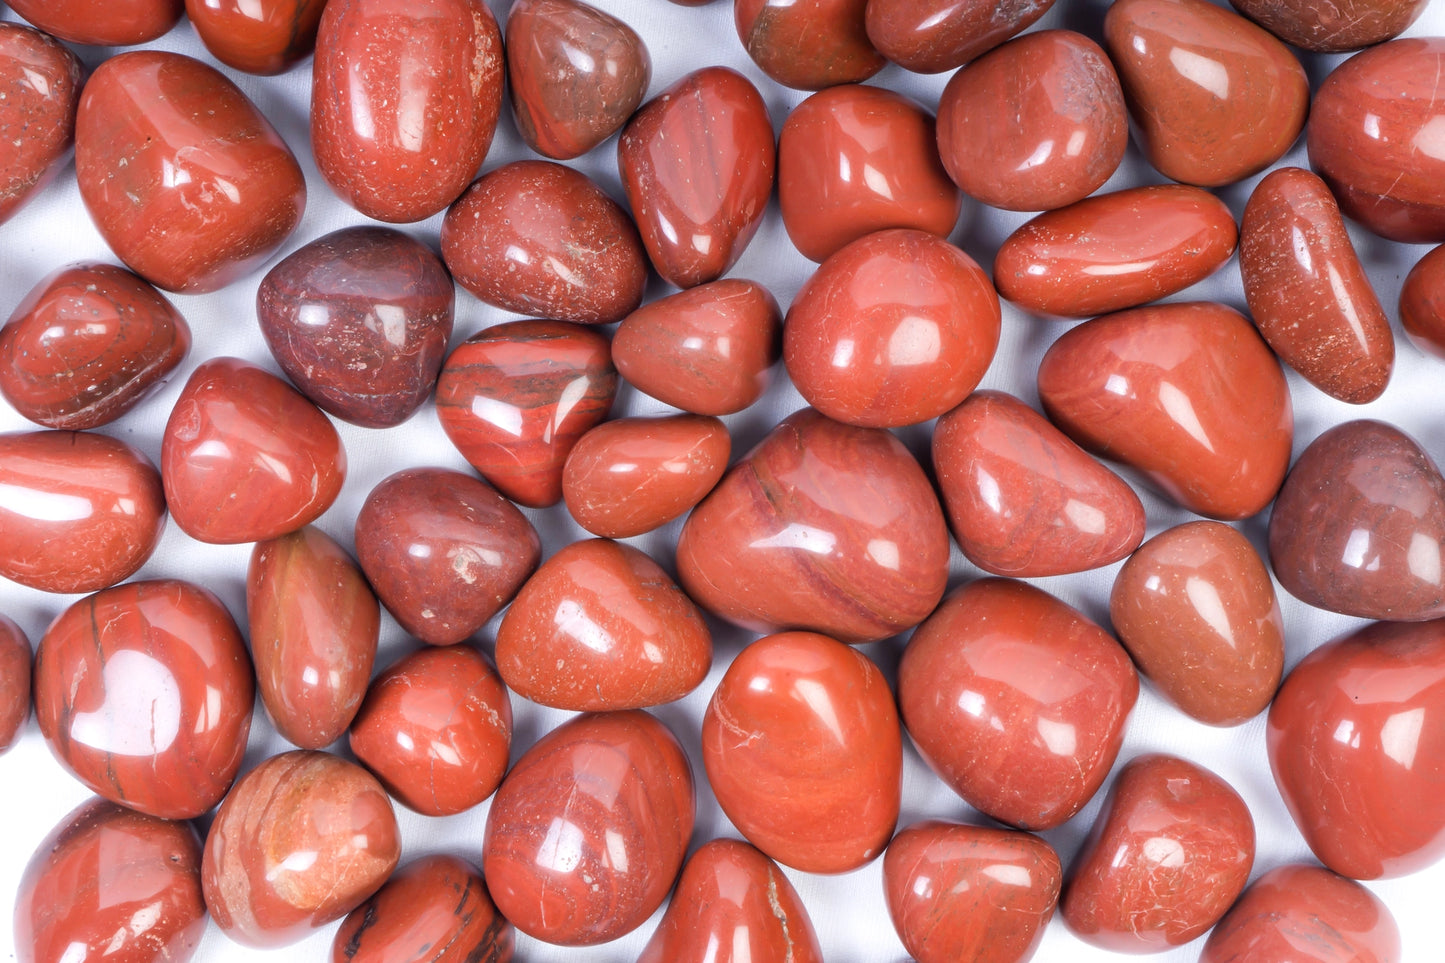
column 106, row 23
column 257, row 36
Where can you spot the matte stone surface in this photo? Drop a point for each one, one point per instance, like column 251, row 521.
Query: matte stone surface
column 108, row 23
column 144, row 693
column 931, row 37
column 803, row 750
column 810, row 44
column 257, row 36
column 40, row 83
column 1333, row 27
column 1422, row 304
column 15, row 657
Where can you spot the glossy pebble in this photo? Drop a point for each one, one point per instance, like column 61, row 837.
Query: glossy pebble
column 15, row 659
column 1422, row 304
column 106, row 23
column 808, row 45
column 1333, row 27
column 257, row 36
column 40, row 81
column 928, row 37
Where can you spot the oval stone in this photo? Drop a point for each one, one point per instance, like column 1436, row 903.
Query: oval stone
column 929, row 38
column 257, row 36
column 41, row 82
column 1333, row 27
column 15, row 658
column 808, row 45
column 104, row 23
column 1422, row 304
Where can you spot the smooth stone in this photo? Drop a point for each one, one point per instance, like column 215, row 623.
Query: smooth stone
column 87, row 344
column 973, row 893
column 619, row 787
column 575, row 73
column 1216, row 98
column 697, row 167
column 709, row 350
column 15, row 658
column 1172, row 848
column 432, row 910
column 534, row 237
column 1187, row 393
column 1308, row 293
column 1359, row 526
column 404, row 102
column 313, row 625
column 143, row 692
column 104, row 23
column 443, row 551
column 436, row 729
column 823, row 527
column 245, row 457
column 808, row 45
column 40, row 80
column 733, row 905
column 630, row 476
column 111, row 884
column 302, row 840
column 359, row 320
column 78, row 511
column 1333, row 27
column 1367, row 804
column 1371, row 137
column 928, row 37
column 853, row 160
column 257, row 36
column 803, row 750
column 894, row 329
column 1422, row 304
column 1115, row 251
column 514, row 398
column 183, row 176
column 1016, row 700
column 1036, row 124
column 1022, row 499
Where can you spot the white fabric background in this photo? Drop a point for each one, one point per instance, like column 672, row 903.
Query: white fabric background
column 847, row 911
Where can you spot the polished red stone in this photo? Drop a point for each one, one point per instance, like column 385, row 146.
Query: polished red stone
column 87, row 344
column 810, row 44
column 515, row 397
column 1036, row 124
column 1186, row 393
column 534, row 237
column 109, row 883
column 443, row 551
column 15, row 660
column 1422, row 304
column 697, row 165
column 857, row 159
column 589, row 829
column 708, row 350
column 1215, row 97
column 733, row 905
column 184, row 178
column 40, row 83
column 245, row 457
column 822, row 526
column 1016, row 700
column 314, row 625
column 803, row 750
column 106, row 23
column 144, row 692
column 575, row 75
column 1169, row 853
column 930, row 37
column 257, row 36
column 972, row 893
column 1024, row 500
column 359, row 321
column 78, row 511
column 404, row 101
column 1333, row 27
column 302, row 839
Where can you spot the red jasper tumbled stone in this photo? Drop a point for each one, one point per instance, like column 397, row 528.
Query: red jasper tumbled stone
column 257, row 36
column 929, row 38
column 1422, row 304
column 1333, row 27
column 40, row 81
column 107, row 23
column 810, row 44
column 15, row 665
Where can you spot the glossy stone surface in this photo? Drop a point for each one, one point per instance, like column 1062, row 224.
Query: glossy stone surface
column 1022, row 499
column 808, row 45
column 1169, row 853
column 15, row 660
column 40, row 80
column 185, row 179
column 974, row 893
column 575, row 75
column 1372, row 137
column 824, row 527
column 1036, row 124
column 708, row 350
column 534, row 237
column 107, row 23
column 1215, row 97
column 1016, row 700
column 257, row 36
column 314, row 625
column 109, row 883
column 697, row 165
column 87, row 344
column 1308, row 293
column 78, row 511
column 931, row 37
column 303, row 839
column 245, row 457
column 803, row 750
column 589, row 829
column 1359, row 526
column 359, row 320
column 1422, row 304
column 857, row 159
column 733, row 905
column 1333, row 27
column 1115, row 251
column 1185, row 393
column 443, row 551
column 630, row 476
column 404, row 102
column 144, row 692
